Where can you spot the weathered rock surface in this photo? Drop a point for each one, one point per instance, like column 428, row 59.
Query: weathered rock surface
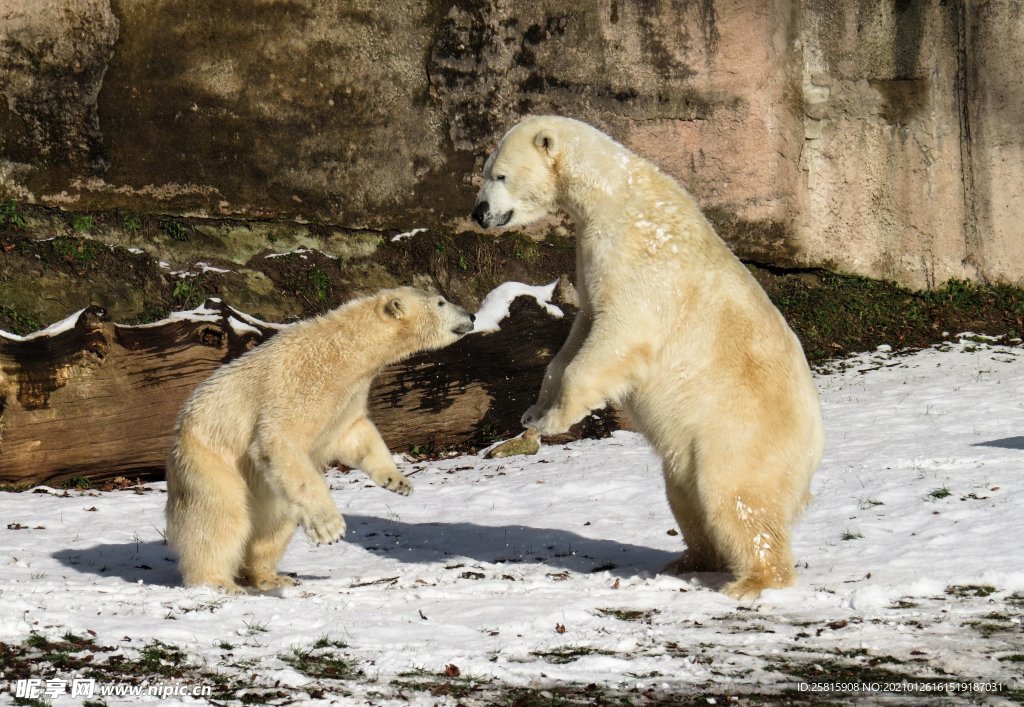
column 880, row 137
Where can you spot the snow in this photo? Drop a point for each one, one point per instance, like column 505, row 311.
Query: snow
column 495, row 306
column 206, row 267
column 407, row 234
column 302, row 251
column 542, row 571
column 240, row 322
column 54, row 329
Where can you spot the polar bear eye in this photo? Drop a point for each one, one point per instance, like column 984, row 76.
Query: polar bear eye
column 440, row 303
column 499, row 177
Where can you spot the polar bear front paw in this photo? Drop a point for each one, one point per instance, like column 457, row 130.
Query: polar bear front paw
column 553, row 422
column 395, row 481
column 531, row 416
column 323, row 526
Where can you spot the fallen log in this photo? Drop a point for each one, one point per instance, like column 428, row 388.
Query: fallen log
column 92, row 399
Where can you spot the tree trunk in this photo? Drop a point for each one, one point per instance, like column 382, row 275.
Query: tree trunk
column 98, row 399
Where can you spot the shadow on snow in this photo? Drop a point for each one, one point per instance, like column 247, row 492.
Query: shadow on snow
column 409, row 543
column 1006, row 443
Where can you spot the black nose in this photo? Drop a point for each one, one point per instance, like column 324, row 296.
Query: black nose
column 479, row 212
column 472, row 317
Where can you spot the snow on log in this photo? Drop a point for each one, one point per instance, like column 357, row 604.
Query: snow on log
column 91, row 398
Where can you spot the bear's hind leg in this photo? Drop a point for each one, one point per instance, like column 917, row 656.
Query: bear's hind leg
column 207, row 516
column 269, row 539
column 752, row 536
column 683, row 499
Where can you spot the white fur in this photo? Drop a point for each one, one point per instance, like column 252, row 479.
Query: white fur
column 251, row 442
column 675, row 329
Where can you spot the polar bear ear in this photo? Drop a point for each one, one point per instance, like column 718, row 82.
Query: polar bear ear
column 545, row 142
column 395, row 308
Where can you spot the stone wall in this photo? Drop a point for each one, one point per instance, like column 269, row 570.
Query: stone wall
column 913, row 137
column 882, row 137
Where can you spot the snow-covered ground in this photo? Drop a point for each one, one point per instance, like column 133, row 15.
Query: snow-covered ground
column 540, row 572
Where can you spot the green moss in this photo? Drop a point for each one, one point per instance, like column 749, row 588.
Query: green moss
column 525, row 248
column 318, row 284
column 78, row 251
column 10, row 214
column 569, row 654
column 17, row 322
column 970, row 590
column 320, row 663
column 160, row 659
column 835, row 314
column 188, row 292
column 77, row 482
column 131, row 222
column 173, row 228
column 83, row 223
column 630, row 614
column 450, row 683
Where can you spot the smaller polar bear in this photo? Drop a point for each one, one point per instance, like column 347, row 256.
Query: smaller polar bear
column 673, row 327
column 251, row 443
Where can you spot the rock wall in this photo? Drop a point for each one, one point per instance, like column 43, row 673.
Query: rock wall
column 882, row 137
column 913, row 136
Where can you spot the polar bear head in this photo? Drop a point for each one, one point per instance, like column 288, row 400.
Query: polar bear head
column 520, row 176
column 427, row 321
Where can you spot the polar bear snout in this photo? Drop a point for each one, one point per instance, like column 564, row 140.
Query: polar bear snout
column 483, row 216
column 458, row 321
column 466, row 326
column 480, row 213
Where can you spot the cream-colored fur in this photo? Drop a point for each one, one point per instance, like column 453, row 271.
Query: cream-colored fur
column 251, row 443
column 675, row 329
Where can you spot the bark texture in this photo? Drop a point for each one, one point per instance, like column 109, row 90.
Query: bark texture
column 98, row 399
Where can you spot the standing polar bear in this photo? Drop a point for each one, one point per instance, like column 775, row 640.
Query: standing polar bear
column 250, row 444
column 673, row 327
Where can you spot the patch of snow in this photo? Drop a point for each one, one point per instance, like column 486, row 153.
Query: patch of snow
column 60, row 327
column 407, row 234
column 205, row 267
column 241, row 327
column 505, row 567
column 302, row 251
column 495, row 306
column 239, row 321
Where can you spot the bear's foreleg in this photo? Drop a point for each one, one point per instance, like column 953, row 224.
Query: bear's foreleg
column 605, row 369
column 362, row 447
column 552, row 383
column 290, row 472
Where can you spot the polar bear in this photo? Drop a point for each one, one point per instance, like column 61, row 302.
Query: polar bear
column 250, row 443
column 675, row 329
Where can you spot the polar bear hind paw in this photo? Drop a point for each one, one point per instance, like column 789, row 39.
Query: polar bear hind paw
column 269, row 582
column 691, row 562
column 750, row 587
column 227, row 586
